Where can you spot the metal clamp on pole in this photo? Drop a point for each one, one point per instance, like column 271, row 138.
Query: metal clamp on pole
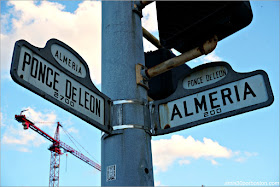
column 130, row 101
column 118, row 107
column 132, row 126
column 117, row 129
column 129, row 126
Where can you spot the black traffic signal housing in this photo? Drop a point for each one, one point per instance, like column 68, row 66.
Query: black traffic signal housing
column 165, row 84
column 184, row 25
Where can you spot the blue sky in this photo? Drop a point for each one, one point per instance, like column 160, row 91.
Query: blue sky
column 240, row 148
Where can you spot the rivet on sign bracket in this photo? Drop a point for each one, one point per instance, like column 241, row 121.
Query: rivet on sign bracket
column 141, row 78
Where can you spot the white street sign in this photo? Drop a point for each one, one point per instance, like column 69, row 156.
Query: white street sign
column 213, row 91
column 60, row 75
column 219, row 100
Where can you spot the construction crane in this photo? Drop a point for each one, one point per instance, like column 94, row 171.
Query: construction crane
column 55, row 149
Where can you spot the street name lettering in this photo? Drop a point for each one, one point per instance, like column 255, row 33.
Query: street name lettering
column 204, row 77
column 228, row 96
column 67, row 60
column 57, row 84
column 219, row 100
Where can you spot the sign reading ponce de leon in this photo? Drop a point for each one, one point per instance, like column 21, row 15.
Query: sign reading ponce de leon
column 60, row 75
column 204, row 77
column 212, row 91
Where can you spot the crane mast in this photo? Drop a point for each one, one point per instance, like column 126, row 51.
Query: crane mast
column 55, row 149
column 55, row 159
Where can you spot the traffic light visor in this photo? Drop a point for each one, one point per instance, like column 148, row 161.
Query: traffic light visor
column 184, row 25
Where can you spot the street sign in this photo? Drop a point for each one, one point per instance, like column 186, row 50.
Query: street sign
column 60, row 75
column 210, row 92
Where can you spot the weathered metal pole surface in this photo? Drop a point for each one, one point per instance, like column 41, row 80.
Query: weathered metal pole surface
column 126, row 158
column 206, row 48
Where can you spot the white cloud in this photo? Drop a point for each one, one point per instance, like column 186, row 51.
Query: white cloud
column 245, row 156
column 212, row 57
column 2, row 120
column 149, row 20
column 24, row 149
column 148, row 46
column 248, row 154
column 24, row 140
column 80, row 30
column 42, row 119
column 182, row 162
column 72, row 130
column 157, row 183
column 240, row 159
column 17, row 136
column 181, row 150
column 214, row 162
column 167, row 151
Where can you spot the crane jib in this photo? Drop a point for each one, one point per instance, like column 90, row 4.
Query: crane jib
column 56, row 142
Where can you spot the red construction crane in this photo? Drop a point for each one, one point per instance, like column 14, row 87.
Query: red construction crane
column 55, row 149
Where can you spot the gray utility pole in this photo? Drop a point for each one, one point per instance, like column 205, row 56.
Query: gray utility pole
column 126, row 153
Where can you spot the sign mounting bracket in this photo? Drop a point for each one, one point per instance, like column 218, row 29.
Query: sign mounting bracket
column 141, row 78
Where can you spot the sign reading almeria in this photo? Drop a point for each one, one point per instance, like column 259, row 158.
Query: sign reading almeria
column 213, row 102
column 60, row 75
column 67, row 60
column 212, row 91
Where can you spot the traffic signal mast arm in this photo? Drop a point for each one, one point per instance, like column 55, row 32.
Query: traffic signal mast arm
column 204, row 49
column 29, row 124
column 144, row 74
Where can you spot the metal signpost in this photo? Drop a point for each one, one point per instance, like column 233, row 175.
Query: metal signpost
column 206, row 93
column 210, row 92
column 126, row 153
column 60, row 75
